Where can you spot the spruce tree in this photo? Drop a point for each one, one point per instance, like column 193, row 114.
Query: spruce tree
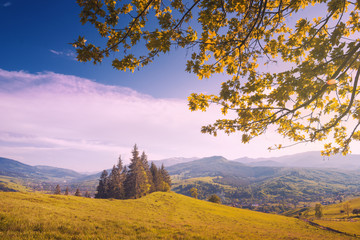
column 136, row 183
column 87, row 194
column 102, row 188
column 57, row 189
column 156, row 177
column 78, row 193
column 166, row 184
column 67, row 191
column 116, row 182
column 145, row 163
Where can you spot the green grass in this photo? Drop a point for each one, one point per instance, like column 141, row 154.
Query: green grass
column 156, row 216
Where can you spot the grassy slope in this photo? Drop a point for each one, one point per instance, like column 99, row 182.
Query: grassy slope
column 12, row 184
column 333, row 211
column 156, row 216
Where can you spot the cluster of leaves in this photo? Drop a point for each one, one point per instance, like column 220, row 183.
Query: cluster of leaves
column 238, row 38
column 134, row 181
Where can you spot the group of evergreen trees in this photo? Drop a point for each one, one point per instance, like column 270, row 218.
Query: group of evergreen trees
column 77, row 193
column 134, row 181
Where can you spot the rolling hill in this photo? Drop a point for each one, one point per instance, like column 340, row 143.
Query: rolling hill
column 219, row 166
column 307, row 160
column 335, row 217
column 172, row 161
column 235, row 182
column 281, row 187
column 12, row 168
column 155, row 216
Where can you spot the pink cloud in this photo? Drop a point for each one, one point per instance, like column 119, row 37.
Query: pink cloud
column 49, row 117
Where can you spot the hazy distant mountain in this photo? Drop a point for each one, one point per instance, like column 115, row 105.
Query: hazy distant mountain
column 218, row 166
column 308, row 160
column 194, row 167
column 266, row 163
column 172, row 161
column 12, row 168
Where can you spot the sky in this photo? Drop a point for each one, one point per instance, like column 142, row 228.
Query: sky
column 63, row 113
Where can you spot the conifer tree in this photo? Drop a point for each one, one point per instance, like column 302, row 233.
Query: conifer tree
column 136, row 183
column 87, row 194
column 67, row 191
column 145, row 163
column 102, row 188
column 78, row 193
column 116, row 182
column 156, row 177
column 57, row 189
column 166, row 184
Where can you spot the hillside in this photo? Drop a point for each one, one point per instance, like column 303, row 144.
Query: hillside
column 12, row 168
column 335, row 217
column 267, row 189
column 172, row 161
column 156, row 216
column 219, row 166
column 236, row 183
column 11, row 184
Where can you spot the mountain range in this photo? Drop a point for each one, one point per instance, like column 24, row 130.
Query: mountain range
column 308, row 160
column 209, row 166
column 12, row 168
column 311, row 159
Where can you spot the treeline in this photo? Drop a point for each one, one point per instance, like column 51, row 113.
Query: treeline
column 67, row 192
column 134, row 181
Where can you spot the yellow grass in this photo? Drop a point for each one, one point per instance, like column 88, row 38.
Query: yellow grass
column 156, row 216
column 349, row 225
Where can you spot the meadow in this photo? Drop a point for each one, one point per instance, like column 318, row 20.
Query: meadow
column 156, row 216
column 335, row 218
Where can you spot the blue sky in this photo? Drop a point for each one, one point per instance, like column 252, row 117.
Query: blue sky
column 36, row 37
column 59, row 112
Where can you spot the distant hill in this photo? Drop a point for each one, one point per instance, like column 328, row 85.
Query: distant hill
column 266, row 163
column 155, row 216
column 218, row 166
column 263, row 185
column 265, row 180
column 308, row 160
column 173, row 161
column 12, row 168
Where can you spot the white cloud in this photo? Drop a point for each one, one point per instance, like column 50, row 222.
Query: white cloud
column 67, row 53
column 72, row 122
column 7, row 4
column 55, row 52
